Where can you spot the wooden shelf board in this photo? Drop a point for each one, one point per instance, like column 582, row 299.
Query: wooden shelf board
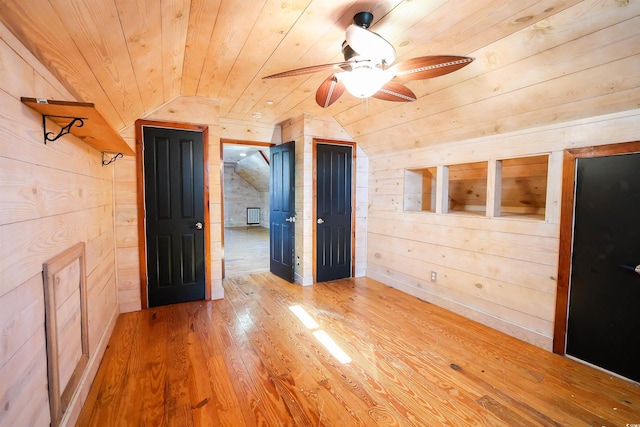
column 96, row 132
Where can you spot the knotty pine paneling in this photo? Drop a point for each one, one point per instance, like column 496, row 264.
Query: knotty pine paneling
column 361, row 206
column 140, row 21
column 126, row 219
column 25, row 73
column 175, row 21
column 51, row 196
column 303, row 130
column 28, row 191
column 499, row 271
column 236, row 19
column 563, row 45
column 60, row 55
column 266, row 32
column 182, row 109
column 202, row 14
column 102, row 291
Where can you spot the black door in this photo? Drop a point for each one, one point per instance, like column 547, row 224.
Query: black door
column 603, row 325
column 282, row 206
column 174, row 203
column 333, row 211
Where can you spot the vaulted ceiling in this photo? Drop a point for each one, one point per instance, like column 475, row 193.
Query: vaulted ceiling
column 537, row 61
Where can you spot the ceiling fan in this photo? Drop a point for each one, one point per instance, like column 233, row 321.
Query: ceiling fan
column 367, row 71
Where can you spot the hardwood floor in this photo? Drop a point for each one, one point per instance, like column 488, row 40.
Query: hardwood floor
column 246, row 250
column 248, row 360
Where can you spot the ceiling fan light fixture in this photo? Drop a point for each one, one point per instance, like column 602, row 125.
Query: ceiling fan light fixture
column 364, row 81
column 367, row 69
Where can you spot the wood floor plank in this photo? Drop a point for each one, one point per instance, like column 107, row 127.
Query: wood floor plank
column 373, row 389
column 112, row 376
column 177, row 396
column 131, row 403
column 251, row 378
column 466, row 354
column 247, row 360
column 90, row 409
column 246, row 250
column 155, row 366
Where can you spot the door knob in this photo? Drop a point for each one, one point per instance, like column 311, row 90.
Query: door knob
column 291, row 219
column 198, row 225
column 320, row 221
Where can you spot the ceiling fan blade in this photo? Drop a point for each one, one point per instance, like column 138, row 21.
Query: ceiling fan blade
column 426, row 67
column 313, row 69
column 396, row 92
column 329, row 91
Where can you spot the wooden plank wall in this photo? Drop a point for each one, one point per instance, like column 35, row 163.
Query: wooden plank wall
column 581, row 62
column 499, row 271
column 303, row 130
column 238, row 196
column 256, row 171
column 126, row 214
column 180, row 110
column 51, row 197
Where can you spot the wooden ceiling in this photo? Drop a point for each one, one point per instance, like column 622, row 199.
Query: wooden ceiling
column 130, row 57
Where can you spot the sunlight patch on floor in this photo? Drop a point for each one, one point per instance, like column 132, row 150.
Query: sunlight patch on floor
column 320, row 335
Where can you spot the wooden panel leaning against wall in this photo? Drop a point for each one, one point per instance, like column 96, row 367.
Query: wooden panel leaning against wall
column 51, row 196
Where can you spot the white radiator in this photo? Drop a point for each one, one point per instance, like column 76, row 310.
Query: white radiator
column 253, row 216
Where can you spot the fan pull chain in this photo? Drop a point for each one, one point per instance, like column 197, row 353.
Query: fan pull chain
column 365, row 106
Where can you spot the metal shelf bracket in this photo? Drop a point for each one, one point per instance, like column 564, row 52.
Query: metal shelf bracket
column 113, row 159
column 50, row 136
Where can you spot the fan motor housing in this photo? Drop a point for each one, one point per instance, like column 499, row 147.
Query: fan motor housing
column 363, row 19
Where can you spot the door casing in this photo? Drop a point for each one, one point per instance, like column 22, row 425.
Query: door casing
column 566, row 230
column 314, row 213
column 140, row 185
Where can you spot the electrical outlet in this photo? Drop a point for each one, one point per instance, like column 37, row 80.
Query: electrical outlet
column 434, row 276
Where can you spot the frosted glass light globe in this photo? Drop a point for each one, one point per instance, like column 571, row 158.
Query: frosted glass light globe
column 364, row 81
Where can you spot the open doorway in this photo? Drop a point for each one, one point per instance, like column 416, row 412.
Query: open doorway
column 245, row 207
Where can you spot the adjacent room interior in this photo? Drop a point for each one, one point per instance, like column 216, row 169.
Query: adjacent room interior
column 246, row 208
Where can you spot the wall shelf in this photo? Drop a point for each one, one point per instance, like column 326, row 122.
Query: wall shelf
column 82, row 120
column 512, row 187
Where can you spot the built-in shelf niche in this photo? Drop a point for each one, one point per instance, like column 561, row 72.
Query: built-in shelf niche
column 420, row 189
column 522, row 187
column 514, row 187
column 467, row 188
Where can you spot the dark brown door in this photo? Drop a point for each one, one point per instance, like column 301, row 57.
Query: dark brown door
column 282, row 210
column 174, row 203
column 603, row 325
column 333, row 212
